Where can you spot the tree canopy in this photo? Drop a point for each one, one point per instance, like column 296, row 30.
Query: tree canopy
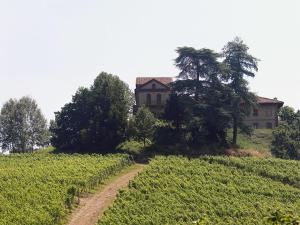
column 199, row 104
column 196, row 64
column 145, row 123
column 239, row 64
column 286, row 137
column 22, row 126
column 96, row 118
column 211, row 93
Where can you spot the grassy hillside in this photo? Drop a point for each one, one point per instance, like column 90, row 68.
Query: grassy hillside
column 41, row 188
column 259, row 141
column 212, row 190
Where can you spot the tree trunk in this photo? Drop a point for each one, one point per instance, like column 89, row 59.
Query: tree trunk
column 234, row 135
column 235, row 124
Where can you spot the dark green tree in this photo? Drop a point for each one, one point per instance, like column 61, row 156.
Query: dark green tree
column 145, row 123
column 22, row 126
column 239, row 64
column 196, row 64
column 287, row 114
column 96, row 118
column 286, row 137
column 178, row 110
column 202, row 81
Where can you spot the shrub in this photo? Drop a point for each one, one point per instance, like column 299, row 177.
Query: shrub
column 132, row 147
column 286, row 142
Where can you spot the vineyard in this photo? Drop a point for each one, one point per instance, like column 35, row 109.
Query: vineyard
column 42, row 188
column 210, row 190
column 284, row 171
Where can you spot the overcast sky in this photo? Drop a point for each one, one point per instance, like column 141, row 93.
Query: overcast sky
column 48, row 48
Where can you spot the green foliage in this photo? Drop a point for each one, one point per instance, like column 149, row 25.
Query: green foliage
column 132, row 147
column 178, row 110
column 195, row 64
column 286, row 142
column 259, row 139
column 41, row 188
column 285, row 171
column 279, row 218
column 199, row 104
column 96, row 118
column 145, row 123
column 22, row 126
column 167, row 135
column 210, row 96
column 176, row 190
column 131, row 130
column 287, row 114
column 239, row 63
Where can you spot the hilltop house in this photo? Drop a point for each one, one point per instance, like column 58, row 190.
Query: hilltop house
column 154, row 92
column 265, row 115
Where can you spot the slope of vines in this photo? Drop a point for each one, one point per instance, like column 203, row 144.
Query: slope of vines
column 285, row 171
column 40, row 189
column 175, row 190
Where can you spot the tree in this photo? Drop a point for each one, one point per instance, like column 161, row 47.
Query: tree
column 22, row 126
column 145, row 123
column 286, row 137
column 239, row 64
column 195, row 64
column 202, row 82
column 177, row 110
column 287, row 114
column 96, row 118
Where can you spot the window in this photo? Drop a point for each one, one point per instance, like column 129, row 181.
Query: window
column 148, row 99
column 255, row 112
column 255, row 125
column 158, row 99
column 269, row 125
column 153, row 86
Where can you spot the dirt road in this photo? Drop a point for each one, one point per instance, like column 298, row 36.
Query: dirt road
column 92, row 207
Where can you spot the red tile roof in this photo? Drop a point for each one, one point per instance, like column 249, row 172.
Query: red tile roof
column 263, row 100
column 142, row 80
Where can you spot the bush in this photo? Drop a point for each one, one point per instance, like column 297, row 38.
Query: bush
column 286, row 142
column 145, row 124
column 132, row 147
column 166, row 135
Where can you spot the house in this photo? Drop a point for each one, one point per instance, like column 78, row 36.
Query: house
column 265, row 115
column 154, row 93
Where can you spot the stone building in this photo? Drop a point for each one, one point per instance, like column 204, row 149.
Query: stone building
column 154, row 92
column 265, row 115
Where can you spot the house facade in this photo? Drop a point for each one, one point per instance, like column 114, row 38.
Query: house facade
column 154, row 93
column 265, row 115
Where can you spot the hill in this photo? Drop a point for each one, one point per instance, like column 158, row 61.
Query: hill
column 209, row 190
column 42, row 188
column 257, row 144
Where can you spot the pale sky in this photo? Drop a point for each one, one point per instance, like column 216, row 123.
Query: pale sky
column 48, row 48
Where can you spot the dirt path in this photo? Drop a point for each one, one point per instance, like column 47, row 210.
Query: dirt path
column 92, row 207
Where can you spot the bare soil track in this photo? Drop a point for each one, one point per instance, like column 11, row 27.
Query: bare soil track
column 91, row 208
